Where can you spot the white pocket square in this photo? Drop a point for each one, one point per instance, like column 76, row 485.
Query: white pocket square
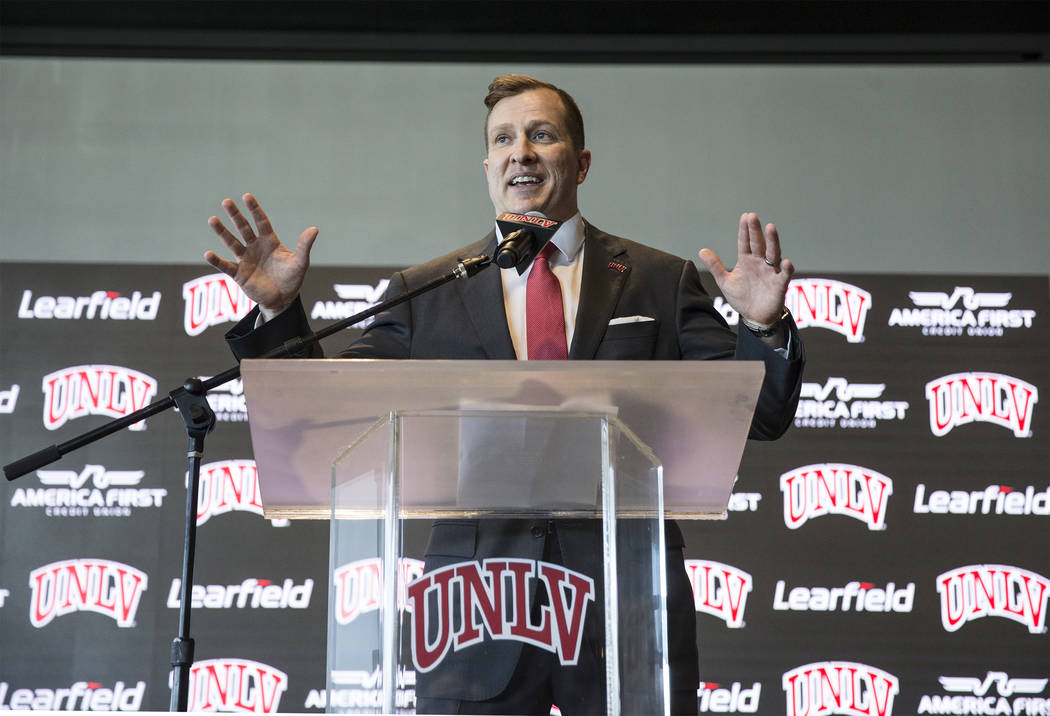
column 630, row 319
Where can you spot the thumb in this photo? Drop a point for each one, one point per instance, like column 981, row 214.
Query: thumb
column 713, row 264
column 304, row 244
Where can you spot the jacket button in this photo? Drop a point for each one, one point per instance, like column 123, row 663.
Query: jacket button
column 538, row 531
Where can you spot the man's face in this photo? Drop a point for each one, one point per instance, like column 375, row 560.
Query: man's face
column 531, row 163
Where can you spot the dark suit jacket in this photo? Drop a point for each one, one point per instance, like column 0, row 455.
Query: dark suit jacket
column 466, row 320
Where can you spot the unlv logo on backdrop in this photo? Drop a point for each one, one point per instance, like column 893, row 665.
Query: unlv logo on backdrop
column 994, row 398
column 839, row 687
column 825, row 303
column 719, row 590
column 229, row 485
column 835, row 489
column 993, row 590
column 980, row 314
column 359, row 586
column 110, row 390
column 494, row 590
column 85, row 585
column 354, row 298
column 211, row 300
column 235, row 685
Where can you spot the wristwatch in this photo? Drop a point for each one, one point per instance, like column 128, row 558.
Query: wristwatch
column 765, row 331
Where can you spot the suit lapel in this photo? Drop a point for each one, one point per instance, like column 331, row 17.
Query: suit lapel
column 482, row 297
column 605, row 271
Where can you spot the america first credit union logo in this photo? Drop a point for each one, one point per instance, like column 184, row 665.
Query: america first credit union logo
column 963, row 311
column 103, row 586
column 962, row 398
column 466, row 603
column 993, row 590
column 972, row 696
column 235, row 685
column 211, row 300
column 826, row 303
column 839, row 687
column 840, row 403
column 719, row 590
column 94, row 491
column 835, row 489
column 353, row 298
column 110, row 390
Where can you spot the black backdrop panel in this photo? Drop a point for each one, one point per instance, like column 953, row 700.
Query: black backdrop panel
column 884, row 557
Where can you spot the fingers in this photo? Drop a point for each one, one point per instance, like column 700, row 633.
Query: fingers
column 713, row 264
column 262, row 222
column 231, row 241
column 227, row 267
column 239, row 222
column 772, row 248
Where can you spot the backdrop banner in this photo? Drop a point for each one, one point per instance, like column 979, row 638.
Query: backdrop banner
column 890, row 554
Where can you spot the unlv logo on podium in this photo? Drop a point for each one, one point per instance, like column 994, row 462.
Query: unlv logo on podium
column 465, row 591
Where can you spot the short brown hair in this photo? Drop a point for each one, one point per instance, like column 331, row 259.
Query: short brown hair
column 510, row 85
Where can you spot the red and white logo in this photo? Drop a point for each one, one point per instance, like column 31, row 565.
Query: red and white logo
column 78, row 696
column 854, row 405
column 110, row 390
column 359, row 586
column 995, row 398
column 992, row 500
column 976, row 313
column 719, row 590
column 235, row 685
column 229, row 485
column 353, row 298
column 728, row 698
column 972, row 696
column 541, row 221
column 492, row 591
column 94, row 491
column 855, row 596
column 211, row 300
column 993, row 590
column 104, row 305
column 824, row 303
column 252, row 593
column 839, row 687
column 8, row 399
column 835, row 489
column 85, row 585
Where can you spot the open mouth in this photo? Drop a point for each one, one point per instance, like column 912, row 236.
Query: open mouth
column 526, row 181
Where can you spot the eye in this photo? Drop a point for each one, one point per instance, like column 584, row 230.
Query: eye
column 500, row 139
column 543, row 135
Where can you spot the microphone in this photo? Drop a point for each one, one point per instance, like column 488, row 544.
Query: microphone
column 524, row 236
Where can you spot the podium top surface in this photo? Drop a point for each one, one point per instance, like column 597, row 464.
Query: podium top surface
column 694, row 415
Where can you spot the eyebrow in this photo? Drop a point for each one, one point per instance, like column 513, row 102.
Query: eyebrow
column 536, row 124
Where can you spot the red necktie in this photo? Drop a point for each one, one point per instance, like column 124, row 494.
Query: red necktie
column 544, row 313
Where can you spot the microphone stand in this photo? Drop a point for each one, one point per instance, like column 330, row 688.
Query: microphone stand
column 191, row 401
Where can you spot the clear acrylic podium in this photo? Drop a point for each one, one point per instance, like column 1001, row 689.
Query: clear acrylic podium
column 480, row 458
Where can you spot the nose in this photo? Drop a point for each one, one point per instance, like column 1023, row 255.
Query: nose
column 524, row 152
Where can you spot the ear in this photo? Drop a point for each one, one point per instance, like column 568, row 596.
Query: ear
column 485, row 165
column 583, row 165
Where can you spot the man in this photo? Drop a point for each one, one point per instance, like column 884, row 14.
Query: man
column 535, row 161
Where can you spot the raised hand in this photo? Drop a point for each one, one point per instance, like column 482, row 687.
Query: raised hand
column 269, row 273
column 756, row 286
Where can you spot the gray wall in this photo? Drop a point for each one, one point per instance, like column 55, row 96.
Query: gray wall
column 877, row 168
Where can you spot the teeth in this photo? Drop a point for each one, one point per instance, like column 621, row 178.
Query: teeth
column 525, row 180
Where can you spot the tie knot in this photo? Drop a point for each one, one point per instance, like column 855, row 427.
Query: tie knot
column 548, row 250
